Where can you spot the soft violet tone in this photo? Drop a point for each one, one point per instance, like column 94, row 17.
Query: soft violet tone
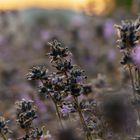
column 41, row 105
column 65, row 110
column 136, row 55
column 108, row 29
column 37, row 45
column 2, row 41
column 111, row 55
column 24, row 95
column 45, row 35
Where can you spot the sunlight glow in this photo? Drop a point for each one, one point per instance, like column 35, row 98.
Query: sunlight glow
column 59, row 4
column 96, row 6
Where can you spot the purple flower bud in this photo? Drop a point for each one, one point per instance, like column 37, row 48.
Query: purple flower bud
column 65, row 109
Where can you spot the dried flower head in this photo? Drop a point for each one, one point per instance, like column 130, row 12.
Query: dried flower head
column 58, row 51
column 26, row 113
column 128, row 34
column 64, row 67
column 38, row 72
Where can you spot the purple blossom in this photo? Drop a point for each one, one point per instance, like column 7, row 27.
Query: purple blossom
column 136, row 55
column 65, row 110
column 79, row 79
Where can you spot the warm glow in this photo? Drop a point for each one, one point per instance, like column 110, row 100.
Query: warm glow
column 96, row 6
column 99, row 7
column 59, row 4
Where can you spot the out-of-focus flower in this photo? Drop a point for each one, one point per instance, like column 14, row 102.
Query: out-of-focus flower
column 136, row 137
column 136, row 55
column 45, row 35
column 3, row 126
column 128, row 34
column 111, row 55
column 108, row 29
column 37, row 45
column 68, row 134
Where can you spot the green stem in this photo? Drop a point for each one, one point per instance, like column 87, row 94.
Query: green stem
column 88, row 134
column 57, row 111
column 132, row 81
column 3, row 136
column 56, row 107
column 133, row 86
column 58, row 114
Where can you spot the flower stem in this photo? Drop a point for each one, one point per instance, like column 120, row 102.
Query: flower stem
column 88, row 134
column 56, row 108
column 59, row 116
column 132, row 81
column 3, row 136
column 133, row 86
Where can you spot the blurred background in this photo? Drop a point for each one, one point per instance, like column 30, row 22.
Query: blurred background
column 85, row 26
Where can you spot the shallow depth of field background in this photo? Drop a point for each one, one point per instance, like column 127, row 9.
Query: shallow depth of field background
column 85, row 26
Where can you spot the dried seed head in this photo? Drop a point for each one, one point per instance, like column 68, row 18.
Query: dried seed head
column 26, row 113
column 128, row 34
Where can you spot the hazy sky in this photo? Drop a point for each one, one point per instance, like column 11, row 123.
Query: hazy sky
column 68, row 4
column 97, row 6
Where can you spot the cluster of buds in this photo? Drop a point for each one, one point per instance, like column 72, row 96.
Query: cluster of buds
column 26, row 113
column 38, row 73
column 58, row 51
column 67, row 81
column 128, row 42
column 128, row 34
column 128, row 39
column 73, row 81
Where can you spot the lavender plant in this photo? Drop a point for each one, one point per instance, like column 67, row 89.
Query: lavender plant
column 65, row 82
column 65, row 85
column 128, row 40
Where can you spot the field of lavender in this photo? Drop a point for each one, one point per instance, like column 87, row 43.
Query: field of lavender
column 69, row 76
